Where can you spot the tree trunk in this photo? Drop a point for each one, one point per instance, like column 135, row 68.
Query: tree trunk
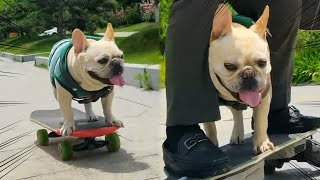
column 124, row 14
column 60, row 19
column 156, row 13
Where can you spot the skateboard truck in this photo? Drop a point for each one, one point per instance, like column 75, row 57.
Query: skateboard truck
column 305, row 151
column 311, row 154
column 89, row 144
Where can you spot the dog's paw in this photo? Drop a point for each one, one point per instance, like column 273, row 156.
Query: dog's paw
column 262, row 146
column 237, row 139
column 67, row 128
column 112, row 121
column 117, row 123
column 92, row 117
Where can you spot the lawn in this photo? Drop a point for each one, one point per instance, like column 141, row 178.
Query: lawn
column 25, row 45
column 130, row 28
column 141, row 48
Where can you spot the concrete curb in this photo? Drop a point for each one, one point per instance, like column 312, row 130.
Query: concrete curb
column 130, row 74
column 18, row 57
column 24, row 58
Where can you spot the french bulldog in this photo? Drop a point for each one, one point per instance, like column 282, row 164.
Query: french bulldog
column 94, row 65
column 239, row 66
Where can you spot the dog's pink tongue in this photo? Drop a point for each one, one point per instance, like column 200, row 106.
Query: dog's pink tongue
column 117, row 80
column 251, row 98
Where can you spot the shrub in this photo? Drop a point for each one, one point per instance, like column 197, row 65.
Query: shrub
column 117, row 21
column 148, row 12
column 307, row 64
column 148, row 17
column 165, row 6
column 117, row 18
column 133, row 15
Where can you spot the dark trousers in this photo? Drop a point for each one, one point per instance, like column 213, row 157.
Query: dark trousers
column 191, row 96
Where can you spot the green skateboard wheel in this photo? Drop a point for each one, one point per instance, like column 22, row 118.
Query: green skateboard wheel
column 113, row 142
column 42, row 137
column 65, row 150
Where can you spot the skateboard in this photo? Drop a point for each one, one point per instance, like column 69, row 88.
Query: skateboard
column 52, row 120
column 245, row 165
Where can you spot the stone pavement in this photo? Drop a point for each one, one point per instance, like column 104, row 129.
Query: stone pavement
column 121, row 34
column 25, row 88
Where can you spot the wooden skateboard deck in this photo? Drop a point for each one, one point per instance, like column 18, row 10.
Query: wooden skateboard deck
column 242, row 156
column 53, row 120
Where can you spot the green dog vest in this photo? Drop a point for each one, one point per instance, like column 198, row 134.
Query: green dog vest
column 243, row 20
column 58, row 68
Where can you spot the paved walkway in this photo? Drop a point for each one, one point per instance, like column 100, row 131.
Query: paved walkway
column 25, row 88
column 121, row 34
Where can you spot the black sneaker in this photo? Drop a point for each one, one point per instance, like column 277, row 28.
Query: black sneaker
column 290, row 121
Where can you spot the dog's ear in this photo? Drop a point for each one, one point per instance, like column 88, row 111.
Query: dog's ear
column 222, row 22
column 79, row 41
column 109, row 35
column 260, row 27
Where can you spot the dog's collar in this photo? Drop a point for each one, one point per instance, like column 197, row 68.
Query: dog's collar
column 239, row 105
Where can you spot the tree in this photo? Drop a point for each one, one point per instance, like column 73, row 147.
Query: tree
column 34, row 16
column 124, row 4
column 89, row 14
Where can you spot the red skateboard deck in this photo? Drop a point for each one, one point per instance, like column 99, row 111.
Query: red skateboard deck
column 53, row 120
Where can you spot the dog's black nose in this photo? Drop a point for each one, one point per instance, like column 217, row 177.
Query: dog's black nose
column 116, row 68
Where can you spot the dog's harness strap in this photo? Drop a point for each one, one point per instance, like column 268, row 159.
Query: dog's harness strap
column 59, row 72
column 234, row 104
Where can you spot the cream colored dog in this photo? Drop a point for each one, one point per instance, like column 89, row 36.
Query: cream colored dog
column 94, row 65
column 239, row 62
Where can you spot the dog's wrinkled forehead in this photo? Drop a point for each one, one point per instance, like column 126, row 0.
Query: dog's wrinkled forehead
column 242, row 42
column 97, row 48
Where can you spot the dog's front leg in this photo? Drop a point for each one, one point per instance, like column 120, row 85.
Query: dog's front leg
column 91, row 116
column 106, row 105
column 261, row 142
column 211, row 131
column 237, row 136
column 65, row 99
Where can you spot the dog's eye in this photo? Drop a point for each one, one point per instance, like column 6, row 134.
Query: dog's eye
column 121, row 56
column 262, row 63
column 230, row 67
column 103, row 60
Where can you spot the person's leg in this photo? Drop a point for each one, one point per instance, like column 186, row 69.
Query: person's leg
column 191, row 96
column 283, row 24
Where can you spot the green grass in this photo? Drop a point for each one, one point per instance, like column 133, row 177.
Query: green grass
column 25, row 45
column 163, row 72
column 130, row 28
column 142, row 47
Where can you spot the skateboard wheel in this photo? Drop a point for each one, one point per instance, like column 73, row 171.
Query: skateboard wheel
column 65, row 150
column 112, row 142
column 42, row 136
